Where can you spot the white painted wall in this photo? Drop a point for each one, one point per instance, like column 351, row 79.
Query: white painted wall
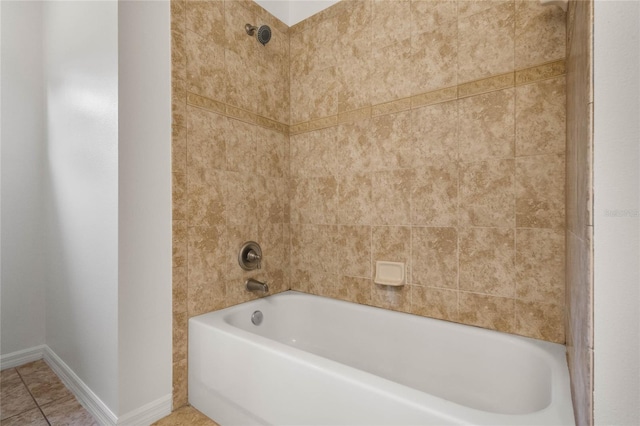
column 293, row 11
column 81, row 75
column 22, row 153
column 144, row 232
column 616, row 206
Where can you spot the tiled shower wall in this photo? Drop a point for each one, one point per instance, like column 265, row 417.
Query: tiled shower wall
column 230, row 160
column 579, row 204
column 432, row 133
column 428, row 132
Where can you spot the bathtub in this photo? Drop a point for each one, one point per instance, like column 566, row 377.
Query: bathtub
column 319, row 361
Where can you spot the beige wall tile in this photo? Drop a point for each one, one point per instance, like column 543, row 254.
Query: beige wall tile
column 242, row 80
column 392, row 76
column 180, row 375
column 391, row 197
column 179, row 149
column 540, row 33
column 540, row 320
column 467, row 8
column 434, row 257
column 180, row 333
column 354, row 289
column 429, row 14
column 313, row 282
column 179, row 196
column 313, row 154
column 272, row 201
column 178, row 55
column 540, row 191
column 206, row 135
column 179, row 289
column 205, row 67
column 487, row 193
column 391, row 243
column 272, row 152
column 487, row 261
column 178, row 16
column 434, row 302
column 540, row 265
column 354, row 251
column 354, row 80
column 355, row 147
column 355, row 203
column 178, row 103
column 206, row 203
column 540, row 117
column 393, row 298
column 179, row 243
column 434, row 138
column 241, row 147
column 486, row 42
column 496, row 313
column 486, row 126
column 314, row 200
column 391, row 21
column 434, row 198
column 313, row 248
column 434, row 54
column 392, row 141
column 206, row 265
column 315, row 95
column 236, row 16
column 206, row 18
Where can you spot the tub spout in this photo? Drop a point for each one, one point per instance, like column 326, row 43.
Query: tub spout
column 255, row 285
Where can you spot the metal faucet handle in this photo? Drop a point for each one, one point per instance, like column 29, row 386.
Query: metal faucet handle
column 250, row 256
column 254, row 257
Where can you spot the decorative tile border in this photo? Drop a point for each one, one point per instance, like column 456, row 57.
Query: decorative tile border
column 235, row 112
column 435, row 97
column 472, row 88
column 491, row 84
column 391, row 107
column 540, row 72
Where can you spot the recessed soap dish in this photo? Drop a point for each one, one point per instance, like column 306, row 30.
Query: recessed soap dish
column 389, row 273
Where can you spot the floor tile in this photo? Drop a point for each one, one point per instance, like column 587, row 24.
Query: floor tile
column 186, row 416
column 29, row 418
column 14, row 396
column 42, row 382
column 68, row 412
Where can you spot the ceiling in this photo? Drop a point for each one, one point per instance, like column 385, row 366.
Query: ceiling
column 293, row 11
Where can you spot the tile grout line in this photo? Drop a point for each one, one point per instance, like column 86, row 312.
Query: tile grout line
column 33, row 397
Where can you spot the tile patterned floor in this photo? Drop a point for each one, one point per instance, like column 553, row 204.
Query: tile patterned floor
column 32, row 395
column 186, row 416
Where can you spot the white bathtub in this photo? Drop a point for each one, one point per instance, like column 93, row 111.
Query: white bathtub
column 319, row 361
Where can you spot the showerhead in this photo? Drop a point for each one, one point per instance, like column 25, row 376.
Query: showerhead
column 263, row 33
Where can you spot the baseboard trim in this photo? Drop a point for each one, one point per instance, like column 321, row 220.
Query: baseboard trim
column 82, row 392
column 143, row 416
column 18, row 358
column 147, row 414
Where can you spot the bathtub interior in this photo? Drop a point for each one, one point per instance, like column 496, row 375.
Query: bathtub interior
column 472, row 367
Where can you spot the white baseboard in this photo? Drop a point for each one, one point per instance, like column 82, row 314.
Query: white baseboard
column 15, row 359
column 147, row 414
column 82, row 392
column 142, row 416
